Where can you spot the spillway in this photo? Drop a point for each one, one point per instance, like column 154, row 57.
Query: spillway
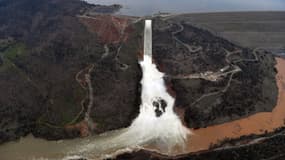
column 156, row 124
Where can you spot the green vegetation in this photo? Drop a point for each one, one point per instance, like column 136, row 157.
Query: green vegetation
column 6, row 65
column 9, row 54
column 4, row 43
column 15, row 51
column 38, row 66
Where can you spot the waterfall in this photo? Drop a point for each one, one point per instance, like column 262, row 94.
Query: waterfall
column 157, row 120
column 157, row 124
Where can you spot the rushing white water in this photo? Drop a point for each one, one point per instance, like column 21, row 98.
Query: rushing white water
column 156, row 124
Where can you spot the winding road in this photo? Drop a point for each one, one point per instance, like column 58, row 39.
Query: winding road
column 211, row 75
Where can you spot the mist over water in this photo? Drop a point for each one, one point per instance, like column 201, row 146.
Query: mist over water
column 148, row 7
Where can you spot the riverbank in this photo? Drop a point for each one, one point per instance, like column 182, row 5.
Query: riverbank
column 257, row 124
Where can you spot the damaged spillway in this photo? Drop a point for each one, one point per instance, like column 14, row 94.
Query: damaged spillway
column 157, row 120
column 156, row 127
column 156, row 124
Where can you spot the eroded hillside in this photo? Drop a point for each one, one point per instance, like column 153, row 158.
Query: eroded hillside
column 46, row 47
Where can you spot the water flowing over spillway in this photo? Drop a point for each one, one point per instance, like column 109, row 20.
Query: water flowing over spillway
column 156, row 124
column 157, row 120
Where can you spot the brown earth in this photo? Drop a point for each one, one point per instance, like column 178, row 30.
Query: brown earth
column 108, row 28
column 82, row 127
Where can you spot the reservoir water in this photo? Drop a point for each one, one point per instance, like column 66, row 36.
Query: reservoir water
column 149, row 7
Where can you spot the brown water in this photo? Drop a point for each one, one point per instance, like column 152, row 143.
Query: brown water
column 30, row 148
column 255, row 124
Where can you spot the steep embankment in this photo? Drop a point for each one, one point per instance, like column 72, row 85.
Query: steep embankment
column 215, row 80
column 264, row 146
column 48, row 45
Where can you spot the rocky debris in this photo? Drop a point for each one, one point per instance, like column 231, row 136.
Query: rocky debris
column 159, row 105
column 109, row 28
column 81, row 127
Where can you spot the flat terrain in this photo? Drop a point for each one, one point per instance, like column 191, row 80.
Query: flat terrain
column 249, row 29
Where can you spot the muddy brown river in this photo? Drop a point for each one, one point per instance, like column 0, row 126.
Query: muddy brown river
column 198, row 141
column 255, row 124
column 201, row 139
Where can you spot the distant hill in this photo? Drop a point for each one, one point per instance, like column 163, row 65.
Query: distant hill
column 249, row 29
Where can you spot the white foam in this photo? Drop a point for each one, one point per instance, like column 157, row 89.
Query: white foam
column 166, row 130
